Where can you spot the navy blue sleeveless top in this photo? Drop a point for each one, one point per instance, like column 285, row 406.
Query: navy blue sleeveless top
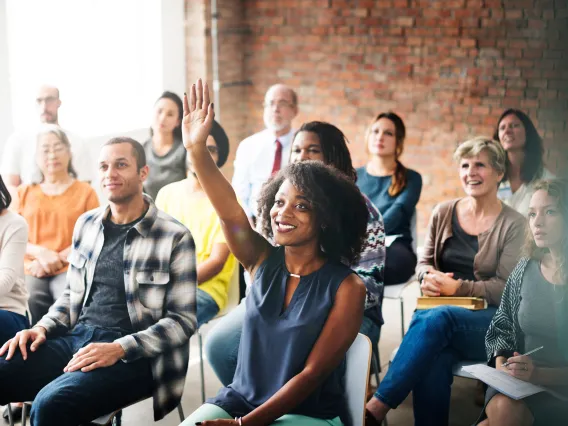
column 275, row 344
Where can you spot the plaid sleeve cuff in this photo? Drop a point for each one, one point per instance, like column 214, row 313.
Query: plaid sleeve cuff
column 131, row 348
column 49, row 324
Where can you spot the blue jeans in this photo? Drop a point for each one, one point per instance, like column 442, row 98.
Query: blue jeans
column 223, row 341
column 10, row 324
column 69, row 399
column 207, row 308
column 436, row 339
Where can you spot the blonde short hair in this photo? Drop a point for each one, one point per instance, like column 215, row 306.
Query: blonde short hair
column 473, row 147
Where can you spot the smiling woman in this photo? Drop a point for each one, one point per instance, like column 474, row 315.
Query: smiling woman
column 471, row 247
column 305, row 306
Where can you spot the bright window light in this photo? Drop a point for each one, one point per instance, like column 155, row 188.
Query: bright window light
column 104, row 55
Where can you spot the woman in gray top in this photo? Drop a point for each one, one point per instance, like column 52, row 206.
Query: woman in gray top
column 534, row 313
column 165, row 154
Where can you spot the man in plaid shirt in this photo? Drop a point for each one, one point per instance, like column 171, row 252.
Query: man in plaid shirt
column 120, row 331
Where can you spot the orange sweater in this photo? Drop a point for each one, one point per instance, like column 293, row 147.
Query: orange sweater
column 51, row 218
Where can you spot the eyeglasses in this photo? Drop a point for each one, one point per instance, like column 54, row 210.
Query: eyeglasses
column 56, row 150
column 278, row 104
column 47, row 100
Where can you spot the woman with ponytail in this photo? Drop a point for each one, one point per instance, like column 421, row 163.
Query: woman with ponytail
column 394, row 189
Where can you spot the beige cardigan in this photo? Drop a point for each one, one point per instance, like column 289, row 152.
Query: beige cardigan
column 499, row 251
column 13, row 242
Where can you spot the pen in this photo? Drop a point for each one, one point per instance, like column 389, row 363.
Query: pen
column 528, row 353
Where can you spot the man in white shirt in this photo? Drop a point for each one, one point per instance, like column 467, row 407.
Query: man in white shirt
column 261, row 155
column 19, row 159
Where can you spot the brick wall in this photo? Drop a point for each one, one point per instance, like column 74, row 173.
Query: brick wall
column 448, row 67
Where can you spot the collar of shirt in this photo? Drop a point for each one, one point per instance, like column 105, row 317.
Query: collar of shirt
column 143, row 227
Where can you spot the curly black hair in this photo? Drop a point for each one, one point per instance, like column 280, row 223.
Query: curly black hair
column 339, row 206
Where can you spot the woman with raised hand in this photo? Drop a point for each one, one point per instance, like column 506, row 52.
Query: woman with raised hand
column 323, row 142
column 522, row 143
column 534, row 313
column 305, row 306
column 394, row 189
column 51, row 208
column 164, row 149
column 472, row 245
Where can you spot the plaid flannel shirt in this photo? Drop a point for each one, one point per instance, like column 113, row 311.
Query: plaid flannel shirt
column 160, row 281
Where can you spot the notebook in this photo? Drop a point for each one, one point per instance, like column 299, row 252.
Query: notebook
column 472, row 303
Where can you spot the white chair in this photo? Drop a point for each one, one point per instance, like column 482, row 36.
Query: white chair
column 357, row 366
column 233, row 299
column 395, row 291
column 457, row 369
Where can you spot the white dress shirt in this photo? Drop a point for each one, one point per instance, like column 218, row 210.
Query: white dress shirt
column 253, row 165
column 19, row 157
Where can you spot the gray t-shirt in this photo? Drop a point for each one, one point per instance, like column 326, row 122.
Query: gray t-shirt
column 106, row 305
column 540, row 301
column 164, row 169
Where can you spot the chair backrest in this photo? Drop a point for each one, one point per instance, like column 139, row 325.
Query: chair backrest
column 358, row 365
column 414, row 232
column 233, row 297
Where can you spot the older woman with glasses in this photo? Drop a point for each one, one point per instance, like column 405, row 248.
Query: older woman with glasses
column 472, row 245
column 51, row 208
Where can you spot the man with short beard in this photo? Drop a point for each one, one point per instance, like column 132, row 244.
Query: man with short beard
column 18, row 159
column 261, row 155
column 120, row 331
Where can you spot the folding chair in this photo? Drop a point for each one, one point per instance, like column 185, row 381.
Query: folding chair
column 358, row 362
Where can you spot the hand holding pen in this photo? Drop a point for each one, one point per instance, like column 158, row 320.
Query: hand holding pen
column 521, row 365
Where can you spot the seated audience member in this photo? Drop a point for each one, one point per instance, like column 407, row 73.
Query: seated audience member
column 13, row 293
column 120, row 331
column 263, row 154
column 533, row 313
column 164, row 150
column 321, row 142
column 51, row 208
column 18, row 159
column 525, row 166
column 471, row 247
column 186, row 201
column 394, row 189
column 305, row 306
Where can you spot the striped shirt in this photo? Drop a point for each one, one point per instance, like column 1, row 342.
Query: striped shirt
column 160, row 281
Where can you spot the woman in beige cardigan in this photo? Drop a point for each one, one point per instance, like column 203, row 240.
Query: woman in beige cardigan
column 471, row 247
column 13, row 293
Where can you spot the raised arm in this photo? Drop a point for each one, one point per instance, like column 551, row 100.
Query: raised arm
column 337, row 335
column 247, row 246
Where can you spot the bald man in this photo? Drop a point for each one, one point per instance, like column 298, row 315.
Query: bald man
column 264, row 153
column 18, row 159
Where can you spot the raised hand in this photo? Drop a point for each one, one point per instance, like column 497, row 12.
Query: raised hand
column 197, row 116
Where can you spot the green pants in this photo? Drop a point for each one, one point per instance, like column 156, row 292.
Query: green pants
column 212, row 412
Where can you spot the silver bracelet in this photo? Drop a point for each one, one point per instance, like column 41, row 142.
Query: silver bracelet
column 239, row 420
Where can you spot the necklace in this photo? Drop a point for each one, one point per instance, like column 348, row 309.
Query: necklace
column 295, row 275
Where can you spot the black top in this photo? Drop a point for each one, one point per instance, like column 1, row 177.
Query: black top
column 459, row 251
column 106, row 305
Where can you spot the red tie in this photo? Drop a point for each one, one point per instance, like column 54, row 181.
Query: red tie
column 277, row 158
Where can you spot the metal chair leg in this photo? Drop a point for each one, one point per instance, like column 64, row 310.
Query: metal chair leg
column 376, row 368
column 24, row 414
column 200, row 340
column 10, row 416
column 180, row 412
column 402, row 317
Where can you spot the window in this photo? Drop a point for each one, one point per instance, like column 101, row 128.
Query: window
column 107, row 57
